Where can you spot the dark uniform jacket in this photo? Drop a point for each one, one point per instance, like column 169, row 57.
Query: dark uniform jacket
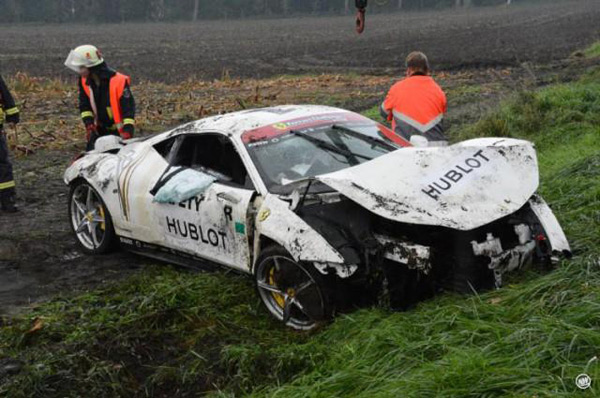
column 102, row 100
column 8, row 109
column 10, row 112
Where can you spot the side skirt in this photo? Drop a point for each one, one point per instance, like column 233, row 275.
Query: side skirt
column 173, row 256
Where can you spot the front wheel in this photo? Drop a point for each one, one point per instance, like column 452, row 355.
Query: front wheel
column 293, row 292
column 90, row 219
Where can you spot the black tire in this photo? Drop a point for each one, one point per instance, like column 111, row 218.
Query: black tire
column 293, row 292
column 90, row 222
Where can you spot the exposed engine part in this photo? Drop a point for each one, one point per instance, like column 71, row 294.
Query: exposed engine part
column 411, row 255
column 502, row 261
column 491, row 247
column 523, row 232
column 511, row 260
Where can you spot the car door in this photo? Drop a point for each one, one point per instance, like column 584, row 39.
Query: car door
column 212, row 225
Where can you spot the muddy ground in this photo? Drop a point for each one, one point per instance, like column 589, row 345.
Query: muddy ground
column 454, row 39
column 38, row 254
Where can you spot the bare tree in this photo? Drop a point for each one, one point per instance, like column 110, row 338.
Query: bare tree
column 260, row 6
column 196, row 10
column 317, row 5
column 157, row 10
column 13, row 8
column 286, row 6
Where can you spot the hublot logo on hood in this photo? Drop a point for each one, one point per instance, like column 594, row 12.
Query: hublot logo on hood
column 454, row 175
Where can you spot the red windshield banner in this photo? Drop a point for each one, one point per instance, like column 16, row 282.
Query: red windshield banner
column 273, row 130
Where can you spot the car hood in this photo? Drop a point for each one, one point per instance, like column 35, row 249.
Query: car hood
column 463, row 186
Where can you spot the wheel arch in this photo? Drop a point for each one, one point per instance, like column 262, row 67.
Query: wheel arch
column 260, row 244
column 277, row 223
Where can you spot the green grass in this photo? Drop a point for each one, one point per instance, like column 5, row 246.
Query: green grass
column 374, row 113
column 593, row 50
column 159, row 331
column 166, row 331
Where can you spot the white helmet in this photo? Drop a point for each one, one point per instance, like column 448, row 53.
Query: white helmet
column 87, row 56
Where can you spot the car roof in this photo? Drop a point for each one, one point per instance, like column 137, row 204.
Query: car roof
column 236, row 123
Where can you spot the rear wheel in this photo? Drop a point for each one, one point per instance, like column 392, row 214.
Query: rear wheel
column 90, row 219
column 293, row 292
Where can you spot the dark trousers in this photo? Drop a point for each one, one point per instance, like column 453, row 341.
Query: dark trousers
column 7, row 182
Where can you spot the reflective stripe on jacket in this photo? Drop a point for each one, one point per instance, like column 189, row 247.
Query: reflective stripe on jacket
column 416, row 105
column 117, row 86
column 7, row 102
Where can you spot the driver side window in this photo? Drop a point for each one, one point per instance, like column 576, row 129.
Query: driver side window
column 212, row 154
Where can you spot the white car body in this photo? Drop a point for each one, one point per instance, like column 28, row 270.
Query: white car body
column 460, row 187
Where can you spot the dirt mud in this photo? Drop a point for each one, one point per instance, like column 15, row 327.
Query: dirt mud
column 38, row 255
column 454, row 39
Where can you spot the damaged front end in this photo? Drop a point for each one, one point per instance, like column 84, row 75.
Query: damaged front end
column 418, row 221
column 401, row 264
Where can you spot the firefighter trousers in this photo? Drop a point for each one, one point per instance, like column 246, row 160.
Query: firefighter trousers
column 7, row 182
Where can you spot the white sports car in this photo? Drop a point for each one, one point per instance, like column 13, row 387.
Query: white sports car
column 324, row 207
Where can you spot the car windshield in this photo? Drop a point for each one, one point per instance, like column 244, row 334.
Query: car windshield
column 285, row 156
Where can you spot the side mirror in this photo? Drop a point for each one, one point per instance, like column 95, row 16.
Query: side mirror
column 108, row 143
column 419, row 141
column 181, row 185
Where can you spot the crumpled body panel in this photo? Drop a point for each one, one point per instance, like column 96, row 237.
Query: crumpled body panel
column 463, row 186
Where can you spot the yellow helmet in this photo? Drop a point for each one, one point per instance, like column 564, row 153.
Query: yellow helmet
column 84, row 56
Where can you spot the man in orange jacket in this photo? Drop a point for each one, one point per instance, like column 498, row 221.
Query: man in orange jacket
column 416, row 105
column 106, row 103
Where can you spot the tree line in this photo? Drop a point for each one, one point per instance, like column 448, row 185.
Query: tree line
column 59, row 11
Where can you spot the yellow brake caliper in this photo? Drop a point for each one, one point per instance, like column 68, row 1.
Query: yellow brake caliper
column 101, row 211
column 278, row 297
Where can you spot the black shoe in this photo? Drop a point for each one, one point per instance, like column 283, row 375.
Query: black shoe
column 8, row 205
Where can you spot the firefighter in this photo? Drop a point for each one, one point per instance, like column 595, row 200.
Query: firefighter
column 106, row 103
column 416, row 105
column 10, row 112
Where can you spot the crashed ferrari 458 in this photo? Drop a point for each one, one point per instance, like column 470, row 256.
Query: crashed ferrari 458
column 323, row 207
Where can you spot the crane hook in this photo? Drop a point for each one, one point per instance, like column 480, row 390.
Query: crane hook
column 361, row 6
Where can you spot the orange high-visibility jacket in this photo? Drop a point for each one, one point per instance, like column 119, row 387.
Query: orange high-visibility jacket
column 116, row 87
column 416, row 105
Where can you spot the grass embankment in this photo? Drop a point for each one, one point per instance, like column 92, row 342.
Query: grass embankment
column 171, row 333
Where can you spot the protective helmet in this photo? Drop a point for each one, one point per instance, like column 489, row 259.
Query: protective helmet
column 86, row 55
